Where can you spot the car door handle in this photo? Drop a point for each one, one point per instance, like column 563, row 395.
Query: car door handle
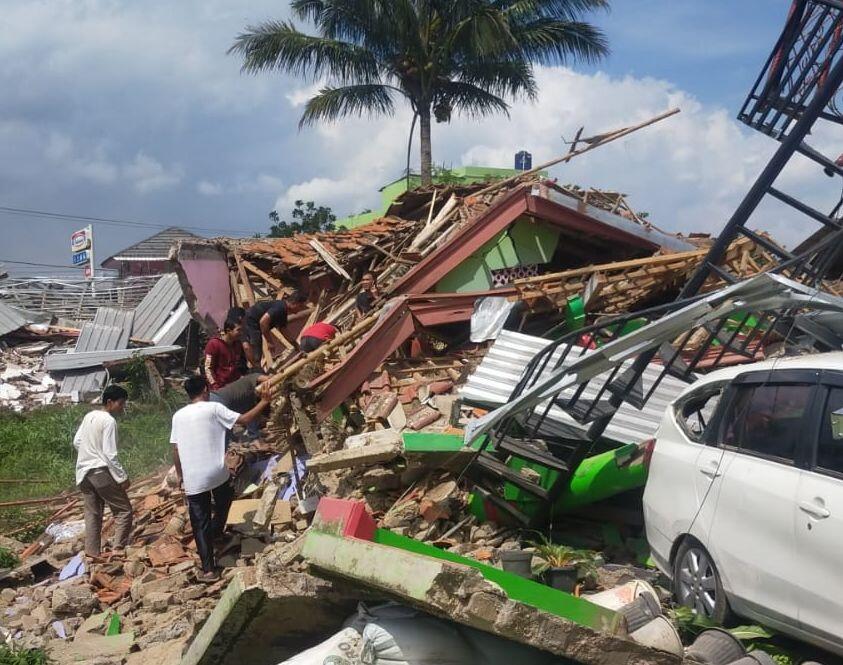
column 814, row 510
column 711, row 472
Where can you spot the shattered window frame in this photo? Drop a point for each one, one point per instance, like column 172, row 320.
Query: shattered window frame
column 715, row 390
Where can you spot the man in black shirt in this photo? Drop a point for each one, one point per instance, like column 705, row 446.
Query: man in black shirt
column 369, row 292
column 260, row 320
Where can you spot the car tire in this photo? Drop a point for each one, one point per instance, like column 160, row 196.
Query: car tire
column 697, row 583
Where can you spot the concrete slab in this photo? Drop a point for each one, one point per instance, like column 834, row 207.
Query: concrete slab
column 374, row 453
column 581, row 631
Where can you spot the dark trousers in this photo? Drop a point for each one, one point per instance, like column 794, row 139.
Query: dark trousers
column 99, row 489
column 308, row 343
column 208, row 513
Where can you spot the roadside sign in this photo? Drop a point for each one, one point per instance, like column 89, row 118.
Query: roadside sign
column 80, row 241
column 82, row 249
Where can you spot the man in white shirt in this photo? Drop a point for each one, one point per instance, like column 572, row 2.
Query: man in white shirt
column 199, row 442
column 99, row 475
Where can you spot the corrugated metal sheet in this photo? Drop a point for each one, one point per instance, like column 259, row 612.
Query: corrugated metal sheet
column 61, row 362
column 13, row 318
column 157, row 307
column 109, row 331
column 173, row 327
column 492, row 383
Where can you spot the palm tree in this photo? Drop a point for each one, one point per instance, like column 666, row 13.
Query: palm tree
column 443, row 56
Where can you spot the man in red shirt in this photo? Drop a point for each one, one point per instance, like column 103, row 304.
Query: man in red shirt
column 223, row 356
column 316, row 335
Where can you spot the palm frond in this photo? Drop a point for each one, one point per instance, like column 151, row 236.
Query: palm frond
column 552, row 42
column 352, row 100
column 483, row 34
column 469, row 99
column 307, row 10
column 502, row 78
column 567, row 10
column 279, row 45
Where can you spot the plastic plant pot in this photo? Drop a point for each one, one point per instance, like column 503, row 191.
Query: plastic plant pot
column 640, row 612
column 562, row 579
column 715, row 647
column 659, row 634
column 517, row 562
column 756, row 658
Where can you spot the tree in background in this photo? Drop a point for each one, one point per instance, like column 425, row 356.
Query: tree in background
column 307, row 218
column 442, row 56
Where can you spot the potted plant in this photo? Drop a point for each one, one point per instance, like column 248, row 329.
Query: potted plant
column 564, row 566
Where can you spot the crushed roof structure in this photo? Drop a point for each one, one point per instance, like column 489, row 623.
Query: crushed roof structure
column 14, row 318
column 436, row 254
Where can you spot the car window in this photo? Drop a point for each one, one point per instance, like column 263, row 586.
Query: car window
column 766, row 419
column 830, row 445
column 695, row 412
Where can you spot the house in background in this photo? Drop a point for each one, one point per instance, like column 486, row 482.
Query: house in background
column 462, row 175
column 149, row 256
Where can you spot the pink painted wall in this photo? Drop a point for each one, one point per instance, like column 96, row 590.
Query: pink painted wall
column 209, row 294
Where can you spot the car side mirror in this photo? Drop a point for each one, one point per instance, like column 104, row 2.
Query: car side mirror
column 837, row 425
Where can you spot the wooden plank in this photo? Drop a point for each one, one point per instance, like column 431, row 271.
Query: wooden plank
column 329, row 258
column 244, row 280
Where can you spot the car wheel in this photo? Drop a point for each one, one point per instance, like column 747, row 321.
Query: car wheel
column 696, row 583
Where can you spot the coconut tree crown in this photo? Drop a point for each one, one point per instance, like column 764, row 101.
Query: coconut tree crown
column 444, row 57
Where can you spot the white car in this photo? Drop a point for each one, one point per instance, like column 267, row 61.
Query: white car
column 744, row 501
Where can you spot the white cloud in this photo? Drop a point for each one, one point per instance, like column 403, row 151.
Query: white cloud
column 93, row 165
column 209, row 188
column 148, row 174
column 299, row 96
column 689, row 171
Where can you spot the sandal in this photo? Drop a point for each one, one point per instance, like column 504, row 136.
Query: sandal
column 210, row 576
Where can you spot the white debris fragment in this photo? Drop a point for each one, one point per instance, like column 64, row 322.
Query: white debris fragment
column 9, row 393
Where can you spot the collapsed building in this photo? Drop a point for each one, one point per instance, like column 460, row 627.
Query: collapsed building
column 529, row 336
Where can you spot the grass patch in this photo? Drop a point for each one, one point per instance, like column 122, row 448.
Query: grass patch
column 39, row 445
column 13, row 656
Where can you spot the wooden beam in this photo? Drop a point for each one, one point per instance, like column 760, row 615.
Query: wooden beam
column 260, row 273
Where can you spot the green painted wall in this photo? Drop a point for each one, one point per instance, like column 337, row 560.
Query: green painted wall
column 465, row 175
column 524, row 243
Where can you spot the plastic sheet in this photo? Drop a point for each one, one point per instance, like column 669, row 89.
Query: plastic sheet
column 489, row 316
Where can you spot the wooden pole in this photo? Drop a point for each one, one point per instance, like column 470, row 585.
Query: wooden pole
column 605, row 138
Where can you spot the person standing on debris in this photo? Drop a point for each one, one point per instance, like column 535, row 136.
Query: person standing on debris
column 316, row 335
column 223, row 356
column 369, row 293
column 198, row 437
column 261, row 318
column 100, row 477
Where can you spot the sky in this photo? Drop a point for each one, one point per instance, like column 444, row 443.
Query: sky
column 134, row 112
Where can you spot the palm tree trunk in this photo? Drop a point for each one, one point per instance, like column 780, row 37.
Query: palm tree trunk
column 426, row 152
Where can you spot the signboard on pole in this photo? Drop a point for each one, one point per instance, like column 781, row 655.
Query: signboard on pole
column 82, row 249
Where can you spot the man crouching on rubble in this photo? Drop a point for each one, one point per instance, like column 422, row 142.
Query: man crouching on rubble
column 199, row 441
column 99, row 475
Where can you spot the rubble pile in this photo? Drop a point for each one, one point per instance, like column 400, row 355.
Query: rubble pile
column 376, row 415
column 24, row 384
